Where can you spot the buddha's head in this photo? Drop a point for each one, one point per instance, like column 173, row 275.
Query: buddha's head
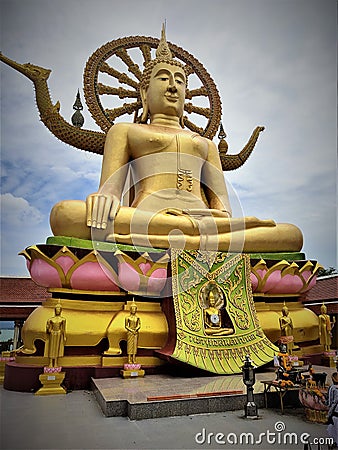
column 58, row 309
column 323, row 309
column 285, row 310
column 133, row 308
column 163, row 84
column 212, row 300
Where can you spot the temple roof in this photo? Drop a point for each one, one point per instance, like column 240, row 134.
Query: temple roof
column 324, row 291
column 19, row 296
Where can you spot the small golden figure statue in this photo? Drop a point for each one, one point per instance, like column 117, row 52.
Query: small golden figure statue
column 52, row 377
column 325, row 328
column 132, row 325
column 56, row 332
column 286, row 327
column 213, row 318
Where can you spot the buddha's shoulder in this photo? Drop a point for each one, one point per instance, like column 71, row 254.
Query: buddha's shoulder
column 128, row 128
column 120, row 127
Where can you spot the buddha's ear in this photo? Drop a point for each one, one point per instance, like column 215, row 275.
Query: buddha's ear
column 144, row 116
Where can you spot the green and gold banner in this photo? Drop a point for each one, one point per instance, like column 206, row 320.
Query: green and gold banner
column 216, row 320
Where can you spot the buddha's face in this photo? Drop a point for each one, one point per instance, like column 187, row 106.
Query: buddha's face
column 212, row 299
column 166, row 90
column 285, row 311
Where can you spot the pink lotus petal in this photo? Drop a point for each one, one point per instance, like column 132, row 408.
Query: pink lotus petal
column 128, row 277
column 272, row 280
column 90, row 276
column 261, row 272
column 289, row 284
column 65, row 262
column 44, row 274
column 311, row 284
column 306, row 274
column 157, row 280
column 254, row 281
column 145, row 267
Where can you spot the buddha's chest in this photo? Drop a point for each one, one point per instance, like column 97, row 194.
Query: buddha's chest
column 148, row 141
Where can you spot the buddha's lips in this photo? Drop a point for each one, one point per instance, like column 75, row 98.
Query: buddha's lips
column 171, row 98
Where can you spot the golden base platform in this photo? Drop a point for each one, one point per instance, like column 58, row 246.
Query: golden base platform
column 51, row 383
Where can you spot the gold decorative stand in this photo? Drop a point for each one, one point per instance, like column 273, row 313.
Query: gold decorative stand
column 132, row 371
column 51, row 381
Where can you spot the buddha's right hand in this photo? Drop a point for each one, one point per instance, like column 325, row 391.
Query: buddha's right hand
column 101, row 208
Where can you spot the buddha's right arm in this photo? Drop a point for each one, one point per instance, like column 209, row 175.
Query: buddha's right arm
column 104, row 205
column 115, row 158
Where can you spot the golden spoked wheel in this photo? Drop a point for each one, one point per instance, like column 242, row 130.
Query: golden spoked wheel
column 103, row 84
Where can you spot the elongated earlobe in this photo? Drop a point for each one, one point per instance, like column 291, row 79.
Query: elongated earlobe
column 145, row 111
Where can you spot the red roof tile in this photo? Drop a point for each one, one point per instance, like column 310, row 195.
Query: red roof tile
column 326, row 289
column 21, row 290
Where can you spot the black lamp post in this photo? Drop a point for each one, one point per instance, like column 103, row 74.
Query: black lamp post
column 250, row 409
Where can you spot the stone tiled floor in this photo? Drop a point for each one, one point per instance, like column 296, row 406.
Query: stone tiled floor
column 165, row 395
column 138, row 390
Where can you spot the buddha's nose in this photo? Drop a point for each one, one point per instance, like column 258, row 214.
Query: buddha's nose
column 172, row 88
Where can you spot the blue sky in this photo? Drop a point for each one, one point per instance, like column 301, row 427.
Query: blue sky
column 274, row 64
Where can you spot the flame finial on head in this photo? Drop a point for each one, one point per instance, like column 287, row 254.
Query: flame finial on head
column 163, row 50
column 133, row 304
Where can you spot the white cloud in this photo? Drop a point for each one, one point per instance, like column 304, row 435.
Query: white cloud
column 21, row 225
column 17, row 212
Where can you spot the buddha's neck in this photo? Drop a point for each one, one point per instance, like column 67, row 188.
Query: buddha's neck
column 165, row 121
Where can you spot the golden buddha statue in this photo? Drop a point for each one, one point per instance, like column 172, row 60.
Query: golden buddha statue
column 325, row 328
column 56, row 332
column 213, row 318
column 286, row 327
column 181, row 198
column 132, row 325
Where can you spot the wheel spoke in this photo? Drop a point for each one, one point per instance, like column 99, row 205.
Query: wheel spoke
column 192, row 126
column 127, row 108
column 103, row 89
column 190, row 108
column 146, row 52
column 121, row 77
column 132, row 67
column 200, row 92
